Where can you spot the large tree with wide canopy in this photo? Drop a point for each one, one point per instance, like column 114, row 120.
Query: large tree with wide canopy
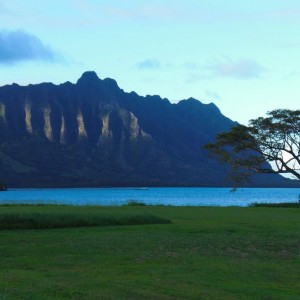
column 273, row 139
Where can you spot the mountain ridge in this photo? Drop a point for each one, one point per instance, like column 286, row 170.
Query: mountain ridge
column 92, row 133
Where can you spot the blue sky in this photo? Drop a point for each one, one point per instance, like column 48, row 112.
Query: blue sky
column 242, row 55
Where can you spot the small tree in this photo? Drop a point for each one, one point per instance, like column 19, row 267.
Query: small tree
column 274, row 139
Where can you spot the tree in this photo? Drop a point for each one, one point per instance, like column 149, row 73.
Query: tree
column 274, row 139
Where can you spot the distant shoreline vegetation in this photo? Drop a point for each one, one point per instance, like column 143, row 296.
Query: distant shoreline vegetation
column 281, row 205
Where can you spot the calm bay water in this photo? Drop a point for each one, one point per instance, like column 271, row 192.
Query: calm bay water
column 164, row 196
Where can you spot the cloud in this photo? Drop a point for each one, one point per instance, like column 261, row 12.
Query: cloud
column 172, row 11
column 223, row 68
column 132, row 11
column 19, row 46
column 3, row 9
column 241, row 69
column 142, row 12
column 212, row 95
column 191, row 66
column 196, row 76
column 150, row 64
column 286, row 13
column 292, row 74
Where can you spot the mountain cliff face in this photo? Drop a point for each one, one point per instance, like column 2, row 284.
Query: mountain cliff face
column 92, row 133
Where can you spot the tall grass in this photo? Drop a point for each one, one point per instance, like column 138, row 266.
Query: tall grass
column 47, row 221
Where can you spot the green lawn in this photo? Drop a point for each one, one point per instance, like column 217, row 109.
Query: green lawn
column 205, row 253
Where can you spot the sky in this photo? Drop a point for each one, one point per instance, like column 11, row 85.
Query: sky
column 244, row 56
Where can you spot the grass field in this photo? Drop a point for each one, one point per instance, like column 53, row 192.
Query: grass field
column 205, row 253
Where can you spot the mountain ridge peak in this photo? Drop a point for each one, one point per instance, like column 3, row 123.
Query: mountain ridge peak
column 88, row 77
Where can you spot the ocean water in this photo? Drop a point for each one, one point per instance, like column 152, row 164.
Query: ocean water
column 161, row 196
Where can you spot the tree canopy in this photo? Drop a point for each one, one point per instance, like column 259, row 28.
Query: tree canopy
column 274, row 139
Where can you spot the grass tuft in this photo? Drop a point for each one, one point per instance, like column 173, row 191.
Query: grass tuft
column 134, row 203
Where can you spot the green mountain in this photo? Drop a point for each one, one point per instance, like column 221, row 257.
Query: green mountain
column 92, row 133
